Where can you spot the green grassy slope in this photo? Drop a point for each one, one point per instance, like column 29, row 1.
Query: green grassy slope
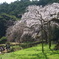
column 32, row 53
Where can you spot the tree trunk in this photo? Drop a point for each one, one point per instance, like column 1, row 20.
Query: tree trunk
column 42, row 29
column 49, row 35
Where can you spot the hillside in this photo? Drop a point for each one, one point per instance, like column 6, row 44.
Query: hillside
column 33, row 53
column 9, row 13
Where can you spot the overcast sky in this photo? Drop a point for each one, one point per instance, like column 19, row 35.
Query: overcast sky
column 8, row 1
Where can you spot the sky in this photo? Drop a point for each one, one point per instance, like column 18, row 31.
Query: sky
column 8, row 1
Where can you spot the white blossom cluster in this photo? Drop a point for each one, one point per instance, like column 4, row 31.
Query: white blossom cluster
column 31, row 20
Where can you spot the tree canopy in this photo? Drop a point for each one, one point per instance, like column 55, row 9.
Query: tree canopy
column 14, row 11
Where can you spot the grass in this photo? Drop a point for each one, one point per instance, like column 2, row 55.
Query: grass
column 33, row 53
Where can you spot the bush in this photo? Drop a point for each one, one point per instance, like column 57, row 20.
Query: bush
column 3, row 40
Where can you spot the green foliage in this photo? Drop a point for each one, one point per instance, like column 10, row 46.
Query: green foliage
column 45, row 2
column 3, row 40
column 10, row 13
column 15, row 8
column 8, row 17
column 5, row 21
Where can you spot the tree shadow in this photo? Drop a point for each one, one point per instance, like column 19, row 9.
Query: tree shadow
column 38, row 55
column 45, row 55
column 54, row 51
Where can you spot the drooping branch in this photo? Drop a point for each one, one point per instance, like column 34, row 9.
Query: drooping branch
column 30, row 23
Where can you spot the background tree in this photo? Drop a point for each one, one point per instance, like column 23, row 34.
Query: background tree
column 6, row 21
